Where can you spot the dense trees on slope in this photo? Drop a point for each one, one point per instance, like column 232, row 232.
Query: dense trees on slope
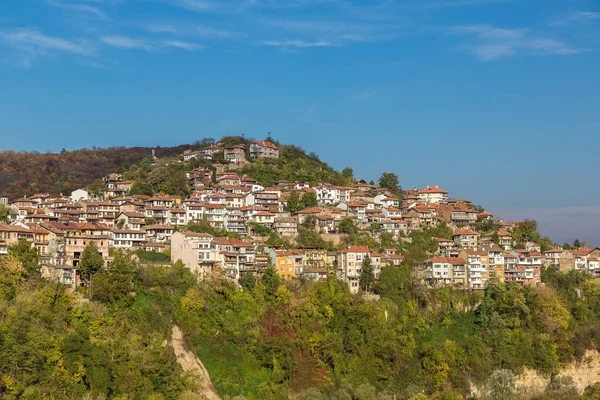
column 25, row 173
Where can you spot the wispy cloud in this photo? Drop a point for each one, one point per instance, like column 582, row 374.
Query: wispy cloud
column 297, row 43
column 33, row 42
column 577, row 17
column 491, row 43
column 192, row 30
column 199, row 5
column 86, row 8
column 124, row 42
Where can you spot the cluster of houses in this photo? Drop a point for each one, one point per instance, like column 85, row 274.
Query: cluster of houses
column 469, row 261
column 235, row 155
column 61, row 226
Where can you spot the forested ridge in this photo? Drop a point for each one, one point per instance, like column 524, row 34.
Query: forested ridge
column 29, row 172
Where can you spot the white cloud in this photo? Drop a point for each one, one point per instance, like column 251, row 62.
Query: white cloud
column 363, row 95
column 182, row 45
column 297, row 43
column 86, row 8
column 491, row 43
column 124, row 42
column 33, row 41
column 577, row 17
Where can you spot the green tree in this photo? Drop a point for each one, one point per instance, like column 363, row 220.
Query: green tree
column 27, row 255
column 577, row 244
column 116, row 282
column 4, row 213
column 271, row 281
column 367, row 276
column 294, row 204
column 97, row 188
column 141, row 188
column 348, row 226
column 309, row 199
column 91, row 261
column 390, row 181
column 247, row 282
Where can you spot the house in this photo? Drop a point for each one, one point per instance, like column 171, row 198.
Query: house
column 195, row 250
column 189, row 155
column 552, row 258
column 59, row 272
column 235, row 154
column 327, row 194
column 349, row 264
column 477, row 267
column 11, row 234
column 288, row 264
column 505, row 240
column 131, row 220
column 263, row 149
column 287, row 227
column 265, row 218
column 158, row 233
column 463, row 217
column 126, row 239
column 433, row 195
column 446, row 271
column 208, row 152
column 199, row 177
column 466, row 238
column 79, row 195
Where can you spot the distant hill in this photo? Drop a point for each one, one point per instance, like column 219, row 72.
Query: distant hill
column 26, row 173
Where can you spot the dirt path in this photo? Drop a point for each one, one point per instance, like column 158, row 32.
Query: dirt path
column 190, row 363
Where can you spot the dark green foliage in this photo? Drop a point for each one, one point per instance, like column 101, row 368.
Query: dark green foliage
column 293, row 203
column 4, row 213
column 348, row 226
column 91, row 261
column 271, row 281
column 309, row 199
column 27, row 255
column 141, row 188
column 390, row 181
column 366, row 274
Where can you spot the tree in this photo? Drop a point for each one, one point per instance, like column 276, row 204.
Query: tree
column 116, row 282
column 576, row 244
column 120, row 223
column 271, row 281
column 390, row 181
column 309, row 199
column 141, row 188
column 4, row 213
column 97, row 188
column 91, row 261
column 348, row 226
column 27, row 256
column 293, row 203
column 247, row 282
column 366, row 274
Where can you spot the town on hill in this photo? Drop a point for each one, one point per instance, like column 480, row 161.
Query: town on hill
column 221, row 206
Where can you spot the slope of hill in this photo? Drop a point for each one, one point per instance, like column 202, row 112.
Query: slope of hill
column 25, row 173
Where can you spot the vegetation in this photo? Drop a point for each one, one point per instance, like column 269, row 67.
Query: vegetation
column 26, row 173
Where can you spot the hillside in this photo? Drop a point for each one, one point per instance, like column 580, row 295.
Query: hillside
column 25, row 173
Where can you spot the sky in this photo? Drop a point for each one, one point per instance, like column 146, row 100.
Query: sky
column 497, row 101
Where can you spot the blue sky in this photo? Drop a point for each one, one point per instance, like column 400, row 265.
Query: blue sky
column 497, row 101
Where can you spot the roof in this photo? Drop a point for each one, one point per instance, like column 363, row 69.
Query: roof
column 264, row 143
column 463, row 232
column 158, row 226
column 433, row 189
column 449, row 260
column 197, row 234
column 13, row 228
column 356, row 249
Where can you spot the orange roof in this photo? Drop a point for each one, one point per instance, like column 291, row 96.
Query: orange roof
column 462, row 232
column 433, row 189
column 265, row 143
column 356, row 249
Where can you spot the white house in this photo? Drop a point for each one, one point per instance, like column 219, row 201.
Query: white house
column 79, row 195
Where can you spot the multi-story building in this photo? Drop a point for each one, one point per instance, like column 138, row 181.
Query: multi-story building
column 263, row 149
column 349, row 265
column 466, row 238
column 433, row 195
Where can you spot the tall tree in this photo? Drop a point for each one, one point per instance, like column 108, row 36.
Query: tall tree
column 98, row 188
column 309, row 199
column 367, row 277
column 142, row 188
column 293, row 204
column 91, row 261
column 390, row 181
column 27, row 256
column 271, row 281
column 577, row 243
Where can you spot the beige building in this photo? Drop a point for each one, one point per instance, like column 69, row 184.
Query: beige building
column 263, row 149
